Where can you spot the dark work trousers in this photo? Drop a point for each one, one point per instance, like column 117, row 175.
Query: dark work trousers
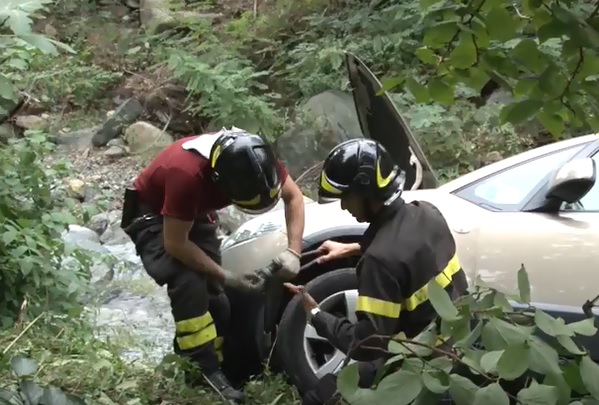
column 199, row 306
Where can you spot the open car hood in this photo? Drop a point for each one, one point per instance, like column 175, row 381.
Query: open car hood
column 380, row 120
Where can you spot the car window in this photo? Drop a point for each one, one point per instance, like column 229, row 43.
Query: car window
column 508, row 189
column 590, row 202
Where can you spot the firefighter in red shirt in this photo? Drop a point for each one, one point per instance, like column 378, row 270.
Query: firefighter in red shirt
column 170, row 216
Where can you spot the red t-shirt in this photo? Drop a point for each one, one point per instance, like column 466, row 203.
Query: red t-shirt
column 178, row 184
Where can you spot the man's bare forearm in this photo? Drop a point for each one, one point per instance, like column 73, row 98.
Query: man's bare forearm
column 294, row 219
column 194, row 257
column 353, row 249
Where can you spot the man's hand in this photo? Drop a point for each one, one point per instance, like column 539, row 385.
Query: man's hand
column 288, row 264
column 309, row 302
column 245, row 282
column 331, row 250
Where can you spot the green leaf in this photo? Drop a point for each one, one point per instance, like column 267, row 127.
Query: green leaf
column 347, row 385
column 550, row 325
column 419, row 91
column 390, row 84
column 501, row 301
column 54, row 396
column 440, row 34
column 472, row 337
column 427, row 55
column 347, row 380
column 492, row 394
column 568, row 344
column 41, row 42
column 462, row 390
column 6, row 88
column 552, row 122
column 441, row 91
column 426, row 4
column 538, row 394
column 400, row 388
column 23, row 366
column 464, row 55
column 589, row 372
column 586, row 327
column 544, row 359
column 517, row 113
column 528, row 109
column 514, row 361
column 500, row 24
column 489, row 361
column 441, row 301
column 528, row 55
column 512, row 334
column 436, row 382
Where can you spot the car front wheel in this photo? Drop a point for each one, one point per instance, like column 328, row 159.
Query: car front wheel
column 306, row 356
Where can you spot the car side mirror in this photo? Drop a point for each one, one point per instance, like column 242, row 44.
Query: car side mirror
column 573, row 180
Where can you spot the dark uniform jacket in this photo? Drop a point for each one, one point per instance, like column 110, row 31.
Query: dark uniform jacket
column 405, row 247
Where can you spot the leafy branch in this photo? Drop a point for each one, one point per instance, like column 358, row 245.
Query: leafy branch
column 475, row 361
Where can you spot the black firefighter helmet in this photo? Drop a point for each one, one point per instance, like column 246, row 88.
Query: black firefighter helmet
column 246, row 170
column 363, row 167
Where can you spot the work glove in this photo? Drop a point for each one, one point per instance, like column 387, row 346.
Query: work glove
column 288, row 264
column 248, row 282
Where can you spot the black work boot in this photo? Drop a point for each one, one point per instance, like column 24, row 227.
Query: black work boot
column 222, row 384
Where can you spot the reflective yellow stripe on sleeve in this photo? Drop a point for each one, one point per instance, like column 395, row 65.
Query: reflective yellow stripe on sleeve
column 443, row 279
column 393, row 309
column 378, row 307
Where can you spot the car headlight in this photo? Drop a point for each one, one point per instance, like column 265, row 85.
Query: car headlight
column 251, row 230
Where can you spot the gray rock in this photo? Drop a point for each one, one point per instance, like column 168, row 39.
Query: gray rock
column 116, row 142
column 80, row 139
column 114, row 235
column 124, row 116
column 6, row 132
column 100, row 222
column 84, row 238
column 30, row 122
column 143, row 137
column 324, row 121
column 115, row 152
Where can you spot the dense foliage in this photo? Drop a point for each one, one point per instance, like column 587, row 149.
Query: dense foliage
column 439, row 58
column 507, row 351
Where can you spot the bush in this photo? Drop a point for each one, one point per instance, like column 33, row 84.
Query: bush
column 32, row 218
column 505, row 354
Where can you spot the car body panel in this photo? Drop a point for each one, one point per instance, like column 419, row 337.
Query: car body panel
column 380, row 120
column 514, row 160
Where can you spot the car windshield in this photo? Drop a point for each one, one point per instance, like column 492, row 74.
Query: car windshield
column 509, row 188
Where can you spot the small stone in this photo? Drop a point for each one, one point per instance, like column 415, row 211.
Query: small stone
column 50, row 31
column 115, row 152
column 116, row 142
column 30, row 122
column 109, row 113
column 6, row 132
column 77, row 188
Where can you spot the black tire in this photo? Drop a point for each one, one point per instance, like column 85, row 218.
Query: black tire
column 290, row 336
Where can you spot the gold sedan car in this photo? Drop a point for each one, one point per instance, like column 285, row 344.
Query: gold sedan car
column 539, row 208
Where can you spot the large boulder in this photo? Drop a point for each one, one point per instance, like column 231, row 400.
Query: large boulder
column 323, row 122
column 145, row 139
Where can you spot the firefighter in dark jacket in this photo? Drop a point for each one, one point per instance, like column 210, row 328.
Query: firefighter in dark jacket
column 405, row 247
column 170, row 216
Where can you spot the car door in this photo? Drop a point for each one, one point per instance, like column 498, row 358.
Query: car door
column 560, row 250
column 380, row 120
